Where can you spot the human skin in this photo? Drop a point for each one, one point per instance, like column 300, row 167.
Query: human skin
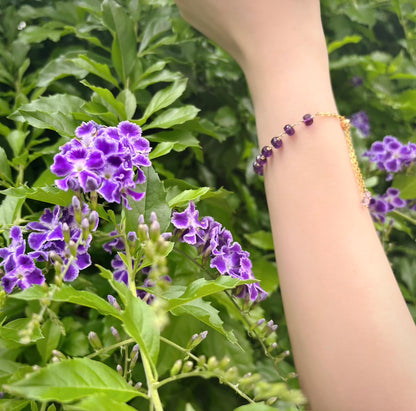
column 352, row 335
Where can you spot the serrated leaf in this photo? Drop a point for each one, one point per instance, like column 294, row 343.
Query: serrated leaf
column 201, row 288
column 172, row 117
column 206, row 313
column 72, row 379
column 48, row 194
column 164, row 98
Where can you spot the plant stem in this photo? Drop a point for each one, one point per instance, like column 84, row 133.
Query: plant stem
column 152, row 385
column 110, row 347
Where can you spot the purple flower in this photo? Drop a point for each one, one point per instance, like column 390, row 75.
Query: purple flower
column 214, row 241
column 361, row 121
column 20, row 269
column 48, row 235
column 383, row 204
column 391, row 155
column 357, row 81
column 106, row 160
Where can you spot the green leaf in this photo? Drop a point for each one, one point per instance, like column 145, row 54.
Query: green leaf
column 159, row 77
column 407, row 186
column 69, row 294
column 13, row 405
column 161, row 150
column 206, row 313
column 72, row 379
column 52, row 113
column 45, row 346
column 10, row 210
column 93, row 67
column 127, row 98
column 16, row 140
column 51, row 194
column 172, row 117
column 186, row 196
column 266, row 272
column 51, row 30
column 201, row 288
column 100, row 402
column 154, row 27
column 8, row 368
column 4, row 165
column 140, row 322
column 59, row 68
column 259, row 406
column 261, row 239
column 335, row 45
column 154, row 200
column 181, row 139
column 164, row 98
column 124, row 48
column 107, row 96
column 10, row 331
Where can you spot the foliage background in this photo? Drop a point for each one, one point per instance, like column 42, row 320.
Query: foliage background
column 63, row 62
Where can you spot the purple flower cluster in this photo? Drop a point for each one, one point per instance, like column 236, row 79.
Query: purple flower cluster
column 361, row 121
column 104, row 160
column 19, row 269
column 383, row 204
column 61, row 234
column 391, row 155
column 214, row 241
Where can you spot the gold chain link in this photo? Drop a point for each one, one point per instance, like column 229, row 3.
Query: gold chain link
column 346, row 127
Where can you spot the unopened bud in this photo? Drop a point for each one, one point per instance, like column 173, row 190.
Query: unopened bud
column 138, row 386
column 154, row 230
column 58, row 354
column 260, row 322
column 212, row 363
column 272, row 347
column 66, row 232
column 141, row 219
column 196, row 339
column 176, row 368
column 153, row 217
column 113, row 302
column 188, row 366
column 143, row 232
column 225, row 362
column 85, row 226
column 95, row 341
column 115, row 333
column 93, row 220
column 76, row 204
column 232, row 374
column 119, row 369
column 73, row 247
column 55, row 359
column 202, row 360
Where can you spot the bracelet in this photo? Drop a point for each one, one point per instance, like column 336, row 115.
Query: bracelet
column 289, row 129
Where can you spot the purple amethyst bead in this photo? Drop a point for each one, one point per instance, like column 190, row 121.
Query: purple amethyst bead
column 258, row 168
column 261, row 159
column 266, row 151
column 276, row 142
column 307, row 119
column 289, row 130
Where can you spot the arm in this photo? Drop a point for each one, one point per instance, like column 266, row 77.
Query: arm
column 352, row 335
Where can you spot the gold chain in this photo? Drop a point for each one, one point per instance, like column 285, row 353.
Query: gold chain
column 346, row 127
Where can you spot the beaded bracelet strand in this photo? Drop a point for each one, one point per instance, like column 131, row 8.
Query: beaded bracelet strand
column 307, row 120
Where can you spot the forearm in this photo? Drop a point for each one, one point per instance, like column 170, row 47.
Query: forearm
column 351, row 332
